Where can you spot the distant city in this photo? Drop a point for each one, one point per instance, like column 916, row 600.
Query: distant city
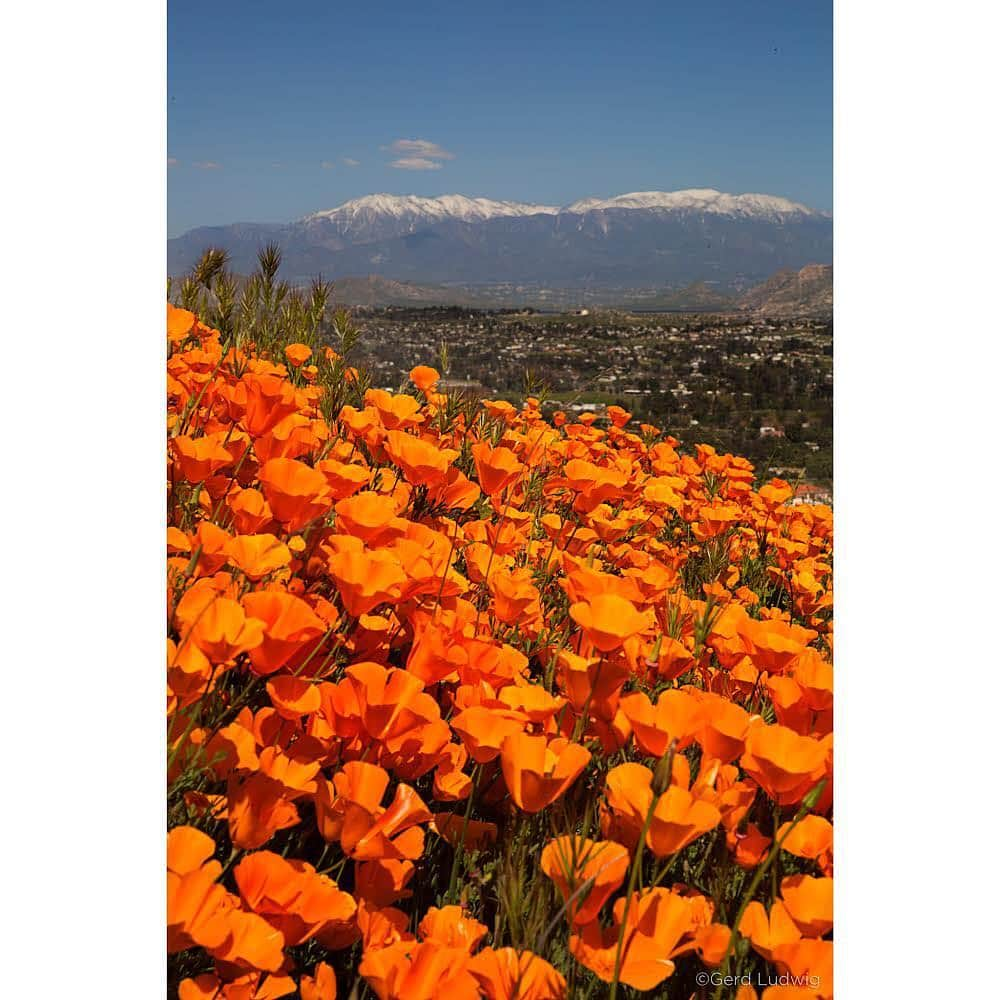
column 754, row 386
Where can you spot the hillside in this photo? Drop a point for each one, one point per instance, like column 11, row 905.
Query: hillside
column 407, row 773
column 807, row 292
column 373, row 290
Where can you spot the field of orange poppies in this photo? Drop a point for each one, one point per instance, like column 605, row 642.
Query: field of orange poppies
column 467, row 701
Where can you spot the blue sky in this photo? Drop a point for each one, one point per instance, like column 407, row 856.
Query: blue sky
column 279, row 109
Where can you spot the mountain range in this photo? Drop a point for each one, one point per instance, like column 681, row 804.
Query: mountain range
column 657, row 241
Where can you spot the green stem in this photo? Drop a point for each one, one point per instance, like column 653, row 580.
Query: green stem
column 634, row 874
column 807, row 803
column 460, row 849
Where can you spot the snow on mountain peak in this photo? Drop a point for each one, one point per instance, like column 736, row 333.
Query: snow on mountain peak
column 414, row 210
column 696, row 200
column 447, row 206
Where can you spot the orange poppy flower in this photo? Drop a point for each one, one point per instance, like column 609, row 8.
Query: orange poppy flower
column 386, row 696
column 531, row 701
column 369, row 832
column 197, row 906
column 179, row 323
column 411, row 971
column 252, row 986
column 678, row 820
column 628, row 793
column 811, row 837
column 452, row 927
column 712, row 944
column 451, row 783
column 749, row 848
column 321, row 985
column 814, row 675
column 250, row 511
column 673, row 659
column 291, row 896
column 343, row 479
column 515, row 598
column 572, row 861
column 454, row 490
column 252, row 943
column 293, row 437
column 506, row 974
column 594, row 683
column 297, row 777
column 366, row 579
column 809, row 902
column 233, row 748
column 500, row 409
column 220, row 628
column 293, row 697
column 608, row 620
column 657, row 920
column 677, row 715
column 496, row 468
column 790, row 706
column 422, row 463
column 379, row 928
column 198, row 458
column 723, row 729
column 785, row 764
column 483, row 730
column 212, row 544
column 368, row 516
column 257, row 809
column 289, row 626
column 383, row 882
column 396, row 412
column 438, row 652
column 775, row 643
column 258, row 555
column 768, row 931
column 538, row 772
column 298, row 354
column 296, row 493
column 269, row 399
column 808, row 958
column 424, row 377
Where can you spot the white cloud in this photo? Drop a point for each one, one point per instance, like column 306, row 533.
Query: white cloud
column 348, row 162
column 327, row 164
column 208, row 165
column 420, row 149
column 172, row 161
column 415, row 163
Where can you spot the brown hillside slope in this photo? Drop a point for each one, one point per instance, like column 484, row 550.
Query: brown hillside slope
column 808, row 292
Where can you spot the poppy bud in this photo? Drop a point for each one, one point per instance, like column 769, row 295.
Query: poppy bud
column 812, row 796
column 662, row 776
column 654, row 656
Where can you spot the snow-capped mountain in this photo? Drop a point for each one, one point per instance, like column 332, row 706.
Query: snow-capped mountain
column 697, row 200
column 414, row 211
column 447, row 206
column 641, row 239
column 381, row 216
